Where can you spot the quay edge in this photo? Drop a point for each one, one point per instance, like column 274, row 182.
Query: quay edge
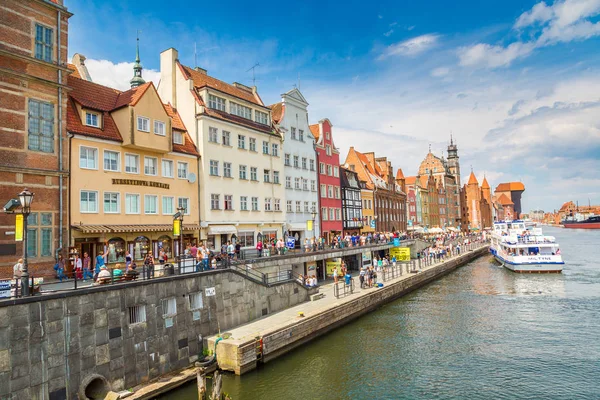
column 240, row 355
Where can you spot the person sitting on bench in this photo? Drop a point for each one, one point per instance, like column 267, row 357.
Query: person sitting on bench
column 103, row 276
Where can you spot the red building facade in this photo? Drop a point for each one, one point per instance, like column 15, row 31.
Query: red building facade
column 330, row 199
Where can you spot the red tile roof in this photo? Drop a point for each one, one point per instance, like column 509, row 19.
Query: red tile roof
column 204, row 80
column 510, row 186
column 399, row 174
column 109, row 131
column 472, row 179
column 504, row 200
column 238, row 120
column 410, row 180
column 314, row 128
column 132, row 96
column 176, row 122
column 277, row 112
column 92, row 95
column 188, row 146
column 485, row 184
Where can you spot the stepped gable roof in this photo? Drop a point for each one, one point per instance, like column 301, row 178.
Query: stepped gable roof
column 399, row 174
column 472, row 179
column 188, row 146
column 314, row 128
column 74, row 70
column 485, row 184
column 504, row 200
column 277, row 112
column 202, row 80
column 510, row 187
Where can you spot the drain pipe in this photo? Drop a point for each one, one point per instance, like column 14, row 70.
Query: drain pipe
column 60, row 139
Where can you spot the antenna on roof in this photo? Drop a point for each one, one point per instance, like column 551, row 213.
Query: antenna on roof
column 253, row 75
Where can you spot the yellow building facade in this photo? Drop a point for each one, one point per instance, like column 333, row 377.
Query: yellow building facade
column 368, row 210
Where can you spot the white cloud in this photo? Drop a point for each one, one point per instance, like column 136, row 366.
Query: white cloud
column 440, row 72
column 411, row 47
column 117, row 75
column 563, row 21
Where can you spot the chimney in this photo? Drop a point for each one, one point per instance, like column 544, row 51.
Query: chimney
column 167, row 87
column 79, row 61
column 201, row 70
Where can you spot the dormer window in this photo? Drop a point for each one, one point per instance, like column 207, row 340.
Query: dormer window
column 261, row 117
column 240, row 110
column 159, row 128
column 143, row 124
column 215, row 102
column 177, row 137
column 91, row 119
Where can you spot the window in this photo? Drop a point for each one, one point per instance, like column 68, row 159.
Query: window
column 182, row 170
column 169, row 307
column 323, row 190
column 88, row 201
column 184, row 202
column 268, row 204
column 43, row 43
column 313, row 185
column 215, row 102
column 195, row 300
column 293, row 133
column 312, row 164
column 137, row 314
column 322, row 168
column 297, row 183
column 167, row 168
column 41, row 126
column 159, row 128
column 277, row 204
column 337, row 192
column 168, row 206
column 243, row 172
column 336, row 172
column 332, row 214
column 244, row 203
column 304, row 184
column 265, row 147
column 276, row 177
column 267, row 175
column 215, row 202
column 296, row 162
column 314, row 206
column 298, row 206
column 226, row 136
column 301, row 135
column 177, row 137
column 111, row 203
column 227, row 169
column 214, row 168
column 329, row 170
column 288, row 182
column 255, row 204
column 327, row 135
column 246, row 239
column 228, row 202
column 240, row 110
column 328, row 150
column 34, row 228
column 150, row 166
column 46, row 242
column 338, row 214
column 132, row 163
column 150, row 204
column 330, row 191
column 132, row 203
column 241, row 142
column 287, row 160
column 306, row 207
column 253, row 174
column 304, row 163
column 143, row 124
column 261, row 117
column 275, row 150
column 288, row 206
column 88, row 158
column 111, row 160
column 91, row 119
column 252, row 142
column 324, row 213
column 213, row 135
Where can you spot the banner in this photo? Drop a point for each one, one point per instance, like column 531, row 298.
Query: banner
column 309, row 225
column 332, row 263
column 396, row 242
column 176, row 227
column 19, row 228
column 401, row 253
column 290, row 242
column 366, row 258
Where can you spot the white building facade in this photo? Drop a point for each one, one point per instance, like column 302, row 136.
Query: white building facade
column 300, row 166
column 242, row 193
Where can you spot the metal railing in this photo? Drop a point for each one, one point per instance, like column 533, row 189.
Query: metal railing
column 341, row 288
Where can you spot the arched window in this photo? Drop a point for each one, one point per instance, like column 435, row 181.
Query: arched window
column 165, row 243
column 116, row 250
column 141, row 246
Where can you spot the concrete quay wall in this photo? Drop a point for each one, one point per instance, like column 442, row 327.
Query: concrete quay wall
column 240, row 356
column 53, row 346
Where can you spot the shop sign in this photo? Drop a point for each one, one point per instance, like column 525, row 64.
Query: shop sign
column 176, row 227
column 138, row 182
column 332, row 263
column 401, row 253
column 290, row 242
column 19, row 228
column 396, row 242
column 210, row 291
column 309, row 225
column 311, row 267
column 5, row 288
column 373, row 223
column 366, row 257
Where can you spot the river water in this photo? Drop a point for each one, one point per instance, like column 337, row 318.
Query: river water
column 482, row 332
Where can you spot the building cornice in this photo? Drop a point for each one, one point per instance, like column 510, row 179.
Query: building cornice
column 270, row 134
column 36, row 171
column 34, row 78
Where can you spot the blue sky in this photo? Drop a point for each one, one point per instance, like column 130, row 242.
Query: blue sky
column 516, row 82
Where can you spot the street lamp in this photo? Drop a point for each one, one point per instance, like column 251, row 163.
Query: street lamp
column 25, row 198
column 314, row 217
column 179, row 216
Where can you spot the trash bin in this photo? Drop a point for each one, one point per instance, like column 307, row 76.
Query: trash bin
column 168, row 270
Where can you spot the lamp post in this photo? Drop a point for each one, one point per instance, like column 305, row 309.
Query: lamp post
column 25, row 198
column 314, row 229
column 179, row 216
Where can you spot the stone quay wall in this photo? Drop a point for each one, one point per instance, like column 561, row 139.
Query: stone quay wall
column 59, row 345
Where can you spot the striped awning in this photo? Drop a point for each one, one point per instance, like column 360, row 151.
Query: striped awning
column 132, row 228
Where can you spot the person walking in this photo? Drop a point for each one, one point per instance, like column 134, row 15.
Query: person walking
column 361, row 277
column 87, row 266
column 128, row 260
column 99, row 263
column 162, row 256
column 78, row 267
column 306, row 245
column 335, row 274
column 149, row 265
column 230, row 250
column 259, row 248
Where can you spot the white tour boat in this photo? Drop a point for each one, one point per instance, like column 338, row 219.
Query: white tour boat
column 525, row 249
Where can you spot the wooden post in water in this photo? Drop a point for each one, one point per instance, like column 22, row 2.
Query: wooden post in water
column 201, row 381
column 216, row 392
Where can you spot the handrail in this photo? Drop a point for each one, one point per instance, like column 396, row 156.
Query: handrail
column 346, row 288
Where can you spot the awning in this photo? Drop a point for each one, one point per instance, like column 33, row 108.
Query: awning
column 91, row 228
column 132, row 228
column 221, row 229
column 296, row 226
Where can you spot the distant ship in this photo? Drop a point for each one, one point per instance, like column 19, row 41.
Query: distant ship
column 590, row 223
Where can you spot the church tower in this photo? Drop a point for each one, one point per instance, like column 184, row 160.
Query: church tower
column 453, row 162
column 137, row 79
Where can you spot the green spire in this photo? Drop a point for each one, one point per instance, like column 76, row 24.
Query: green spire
column 137, row 79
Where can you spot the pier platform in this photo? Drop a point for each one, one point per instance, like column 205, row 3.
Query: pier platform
column 267, row 338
